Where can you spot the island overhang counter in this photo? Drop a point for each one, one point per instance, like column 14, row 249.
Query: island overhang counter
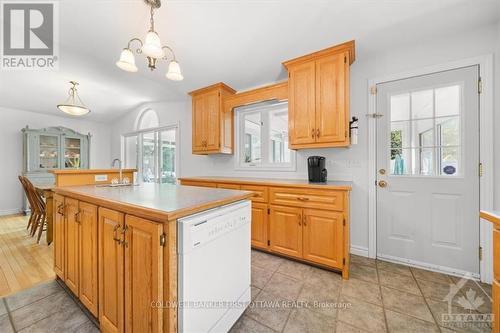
column 115, row 248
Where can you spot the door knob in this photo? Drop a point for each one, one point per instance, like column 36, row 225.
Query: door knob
column 382, row 183
column 382, row 171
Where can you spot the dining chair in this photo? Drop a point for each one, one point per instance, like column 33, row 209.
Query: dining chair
column 25, row 188
column 38, row 210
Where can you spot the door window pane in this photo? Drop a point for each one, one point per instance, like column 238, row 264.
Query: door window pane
column 252, row 128
column 423, row 133
column 148, row 157
column 422, row 104
column 449, row 158
column 400, row 107
column 429, row 143
column 167, row 156
column 448, row 129
column 448, row 101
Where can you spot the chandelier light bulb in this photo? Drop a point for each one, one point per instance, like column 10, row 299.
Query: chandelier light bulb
column 127, row 61
column 152, row 45
column 174, row 71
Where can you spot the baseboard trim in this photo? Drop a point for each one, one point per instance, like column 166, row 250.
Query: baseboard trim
column 430, row 267
column 359, row 250
column 10, row 211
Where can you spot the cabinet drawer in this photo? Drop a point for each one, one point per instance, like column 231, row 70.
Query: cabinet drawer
column 195, row 183
column 229, row 186
column 307, row 198
column 260, row 192
column 496, row 253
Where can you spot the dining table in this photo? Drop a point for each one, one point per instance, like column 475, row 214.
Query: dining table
column 48, row 193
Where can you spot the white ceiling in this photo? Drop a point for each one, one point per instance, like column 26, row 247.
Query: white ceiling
column 239, row 42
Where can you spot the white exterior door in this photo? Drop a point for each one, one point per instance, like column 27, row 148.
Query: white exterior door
column 428, row 170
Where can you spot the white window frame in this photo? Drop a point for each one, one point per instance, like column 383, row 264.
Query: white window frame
column 139, row 161
column 265, row 165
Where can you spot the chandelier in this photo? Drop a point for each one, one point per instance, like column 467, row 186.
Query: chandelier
column 73, row 105
column 152, row 49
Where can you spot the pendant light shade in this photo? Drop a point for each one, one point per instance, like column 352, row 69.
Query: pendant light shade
column 152, row 45
column 152, row 49
column 127, row 61
column 174, row 71
column 73, row 105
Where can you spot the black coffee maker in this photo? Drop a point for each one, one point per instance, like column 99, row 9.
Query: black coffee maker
column 316, row 168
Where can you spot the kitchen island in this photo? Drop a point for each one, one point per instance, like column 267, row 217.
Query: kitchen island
column 115, row 248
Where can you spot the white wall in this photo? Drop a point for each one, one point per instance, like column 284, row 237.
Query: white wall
column 11, row 148
column 350, row 163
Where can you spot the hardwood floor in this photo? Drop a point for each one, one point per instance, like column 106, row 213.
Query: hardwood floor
column 23, row 262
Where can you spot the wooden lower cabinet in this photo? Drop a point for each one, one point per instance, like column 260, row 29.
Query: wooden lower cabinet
column 88, row 248
column 72, row 250
column 308, row 223
column 143, row 275
column 130, row 273
column 59, row 239
column 323, row 237
column 260, row 225
column 285, row 230
column 496, row 306
column 111, row 271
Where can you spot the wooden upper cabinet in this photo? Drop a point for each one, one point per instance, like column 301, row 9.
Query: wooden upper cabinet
column 323, row 239
column 301, row 104
column 87, row 219
column 331, row 120
column 318, row 101
column 212, row 127
column 59, row 239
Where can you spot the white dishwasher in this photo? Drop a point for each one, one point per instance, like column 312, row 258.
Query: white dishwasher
column 214, row 268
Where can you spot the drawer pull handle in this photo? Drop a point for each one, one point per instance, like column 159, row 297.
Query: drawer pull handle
column 302, row 198
column 115, row 230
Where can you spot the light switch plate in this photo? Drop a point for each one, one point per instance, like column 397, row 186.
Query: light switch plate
column 101, row 178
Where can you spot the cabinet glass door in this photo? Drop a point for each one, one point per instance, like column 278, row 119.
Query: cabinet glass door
column 49, row 148
column 72, row 153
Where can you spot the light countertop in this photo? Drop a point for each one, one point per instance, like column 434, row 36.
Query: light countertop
column 159, row 202
column 336, row 185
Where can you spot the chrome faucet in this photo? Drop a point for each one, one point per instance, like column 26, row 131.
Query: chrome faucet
column 120, row 166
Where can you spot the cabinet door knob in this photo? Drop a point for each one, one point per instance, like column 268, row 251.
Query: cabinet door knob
column 317, row 133
column 312, row 133
column 77, row 216
column 115, row 237
column 300, row 219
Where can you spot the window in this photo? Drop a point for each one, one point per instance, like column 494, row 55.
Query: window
column 262, row 137
column 425, row 132
column 153, row 152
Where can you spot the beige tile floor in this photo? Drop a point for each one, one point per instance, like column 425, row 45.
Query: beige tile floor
column 289, row 297
column 379, row 297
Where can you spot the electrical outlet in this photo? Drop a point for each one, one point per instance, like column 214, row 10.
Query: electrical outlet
column 101, row 178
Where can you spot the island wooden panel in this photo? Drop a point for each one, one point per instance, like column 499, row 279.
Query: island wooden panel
column 494, row 218
column 307, row 222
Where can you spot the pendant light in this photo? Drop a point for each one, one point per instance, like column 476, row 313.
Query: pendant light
column 73, row 105
column 152, row 49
